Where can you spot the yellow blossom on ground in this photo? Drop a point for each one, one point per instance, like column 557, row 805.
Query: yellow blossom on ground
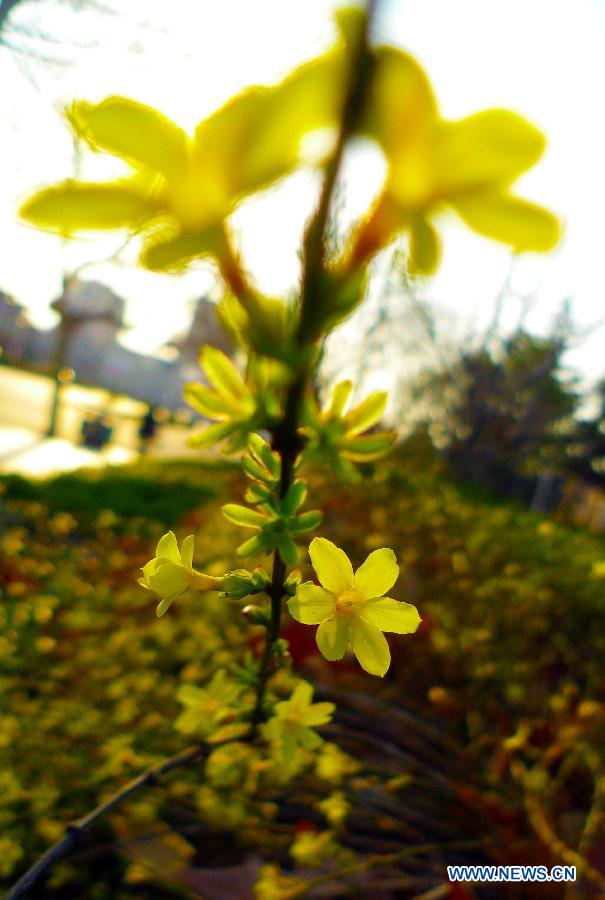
column 171, row 573
column 350, row 607
column 294, row 720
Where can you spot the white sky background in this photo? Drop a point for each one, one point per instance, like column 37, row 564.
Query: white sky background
column 542, row 58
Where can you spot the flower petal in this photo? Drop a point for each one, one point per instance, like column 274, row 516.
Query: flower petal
column 378, row 574
column 187, row 551
column 333, row 638
column 332, row 565
column 169, row 578
column 79, row 206
column 484, row 151
column 168, row 548
column 136, row 132
column 169, row 251
column 370, row 647
column 502, row 217
column 318, row 714
column 390, row 615
column 311, row 604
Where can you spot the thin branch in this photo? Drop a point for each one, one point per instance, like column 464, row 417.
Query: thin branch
column 286, row 440
column 77, row 831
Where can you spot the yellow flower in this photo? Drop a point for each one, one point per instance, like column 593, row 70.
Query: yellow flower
column 467, row 165
column 350, row 607
column 294, row 720
column 171, row 573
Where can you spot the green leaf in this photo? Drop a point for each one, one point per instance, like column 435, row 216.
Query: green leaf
column 287, row 549
column 254, row 470
column 211, row 435
column 366, row 414
column 242, row 515
column 306, row 522
column 133, row 131
column 256, row 544
column 368, row 447
column 340, row 398
column 264, row 454
column 220, row 372
column 209, row 403
column 424, row 247
column 295, row 497
column 79, row 206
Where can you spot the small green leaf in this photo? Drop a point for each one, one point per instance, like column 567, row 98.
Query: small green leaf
column 340, row 398
column 209, row 403
column 264, row 454
column 220, row 372
column 295, row 497
column 242, row 515
column 368, row 447
column 287, row 549
column 366, row 414
column 306, row 522
column 211, row 435
column 252, row 546
column 254, row 470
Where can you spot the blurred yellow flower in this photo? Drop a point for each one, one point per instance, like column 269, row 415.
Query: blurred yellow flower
column 171, row 573
column 467, row 165
column 350, row 607
column 294, row 720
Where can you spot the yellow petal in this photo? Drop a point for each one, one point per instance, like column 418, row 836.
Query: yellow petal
column 169, row 578
column 332, row 565
column 390, row 615
column 73, row 206
column 169, row 252
column 312, row 604
column 484, row 151
column 332, row 638
column 318, row 714
column 187, row 551
column 168, row 548
column 257, row 137
column 370, row 647
column 502, row 217
column 401, row 108
column 137, row 133
column 378, row 573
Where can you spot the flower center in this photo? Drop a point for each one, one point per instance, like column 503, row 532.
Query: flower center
column 348, row 600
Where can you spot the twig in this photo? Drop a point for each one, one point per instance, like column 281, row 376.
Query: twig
column 286, row 441
column 77, row 831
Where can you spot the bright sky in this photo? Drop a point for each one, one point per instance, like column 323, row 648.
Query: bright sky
column 542, row 58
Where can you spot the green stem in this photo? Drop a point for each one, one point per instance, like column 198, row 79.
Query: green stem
column 286, row 440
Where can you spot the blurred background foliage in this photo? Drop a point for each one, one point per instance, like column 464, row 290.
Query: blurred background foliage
column 493, row 715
